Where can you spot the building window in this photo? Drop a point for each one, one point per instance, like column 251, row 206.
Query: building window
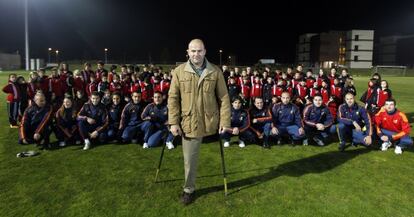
column 356, row 47
column 355, row 58
column 356, row 37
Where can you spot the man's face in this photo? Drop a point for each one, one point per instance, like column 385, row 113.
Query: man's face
column 349, row 99
column 40, row 100
column 389, row 106
column 258, row 103
column 95, row 99
column 116, row 99
column 157, row 99
column 136, row 97
column 317, row 101
column 100, row 66
column 236, row 104
column 196, row 52
column 285, row 98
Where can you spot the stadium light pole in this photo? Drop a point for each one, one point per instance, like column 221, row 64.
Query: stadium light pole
column 48, row 53
column 57, row 56
column 221, row 52
column 26, row 32
column 106, row 55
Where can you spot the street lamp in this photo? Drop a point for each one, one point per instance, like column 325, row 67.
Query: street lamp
column 48, row 54
column 57, row 56
column 106, row 55
column 221, row 51
column 229, row 60
column 26, row 32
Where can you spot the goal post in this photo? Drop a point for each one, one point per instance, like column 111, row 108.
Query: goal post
column 385, row 70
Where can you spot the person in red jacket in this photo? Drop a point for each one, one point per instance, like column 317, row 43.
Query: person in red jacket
column 336, row 90
column 92, row 86
column 256, row 90
column 13, row 99
column 245, row 92
column 393, row 127
column 383, row 94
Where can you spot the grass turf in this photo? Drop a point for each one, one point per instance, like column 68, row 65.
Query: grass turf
column 118, row 180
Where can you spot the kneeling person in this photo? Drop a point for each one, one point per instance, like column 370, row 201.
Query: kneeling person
column 286, row 120
column 318, row 121
column 34, row 127
column 240, row 123
column 93, row 121
column 155, row 117
column 393, row 127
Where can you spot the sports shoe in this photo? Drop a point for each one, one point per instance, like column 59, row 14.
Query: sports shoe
column 14, row 126
column 134, row 141
column 62, row 144
column 226, row 144
column 187, row 198
column 305, row 142
column 241, row 144
column 341, row 146
column 398, row 150
column 385, row 146
column 318, row 141
column 145, row 145
column 169, row 145
column 87, row 144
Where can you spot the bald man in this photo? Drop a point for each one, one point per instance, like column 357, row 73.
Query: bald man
column 198, row 106
column 34, row 127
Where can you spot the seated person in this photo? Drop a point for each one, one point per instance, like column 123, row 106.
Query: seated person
column 261, row 121
column 393, row 127
column 286, row 120
column 34, row 127
column 66, row 128
column 352, row 119
column 155, row 117
column 318, row 121
column 93, row 120
column 240, row 125
column 114, row 114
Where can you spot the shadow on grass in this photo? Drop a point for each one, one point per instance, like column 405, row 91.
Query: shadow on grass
column 314, row 164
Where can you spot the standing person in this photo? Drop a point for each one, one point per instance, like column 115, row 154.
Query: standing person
column 198, row 105
column 13, row 99
column 393, row 127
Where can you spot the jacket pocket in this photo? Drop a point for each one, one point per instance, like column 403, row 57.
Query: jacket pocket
column 211, row 121
column 186, row 123
column 209, row 85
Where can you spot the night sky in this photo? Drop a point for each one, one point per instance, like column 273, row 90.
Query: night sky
column 135, row 30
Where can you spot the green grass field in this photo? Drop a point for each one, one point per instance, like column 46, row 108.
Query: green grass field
column 118, row 180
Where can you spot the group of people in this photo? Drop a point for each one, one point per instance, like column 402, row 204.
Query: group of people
column 90, row 106
column 198, row 99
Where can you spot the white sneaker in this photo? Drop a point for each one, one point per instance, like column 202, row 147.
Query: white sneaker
column 62, row 144
column 385, row 146
column 87, row 144
column 398, row 150
column 145, row 145
column 241, row 144
column 134, row 141
column 226, row 144
column 169, row 145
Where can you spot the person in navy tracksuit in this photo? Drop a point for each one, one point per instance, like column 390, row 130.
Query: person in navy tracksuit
column 155, row 117
column 34, row 127
column 318, row 121
column 93, row 121
column 131, row 123
column 286, row 119
column 352, row 119
column 261, row 120
column 114, row 114
column 240, row 125
column 66, row 129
